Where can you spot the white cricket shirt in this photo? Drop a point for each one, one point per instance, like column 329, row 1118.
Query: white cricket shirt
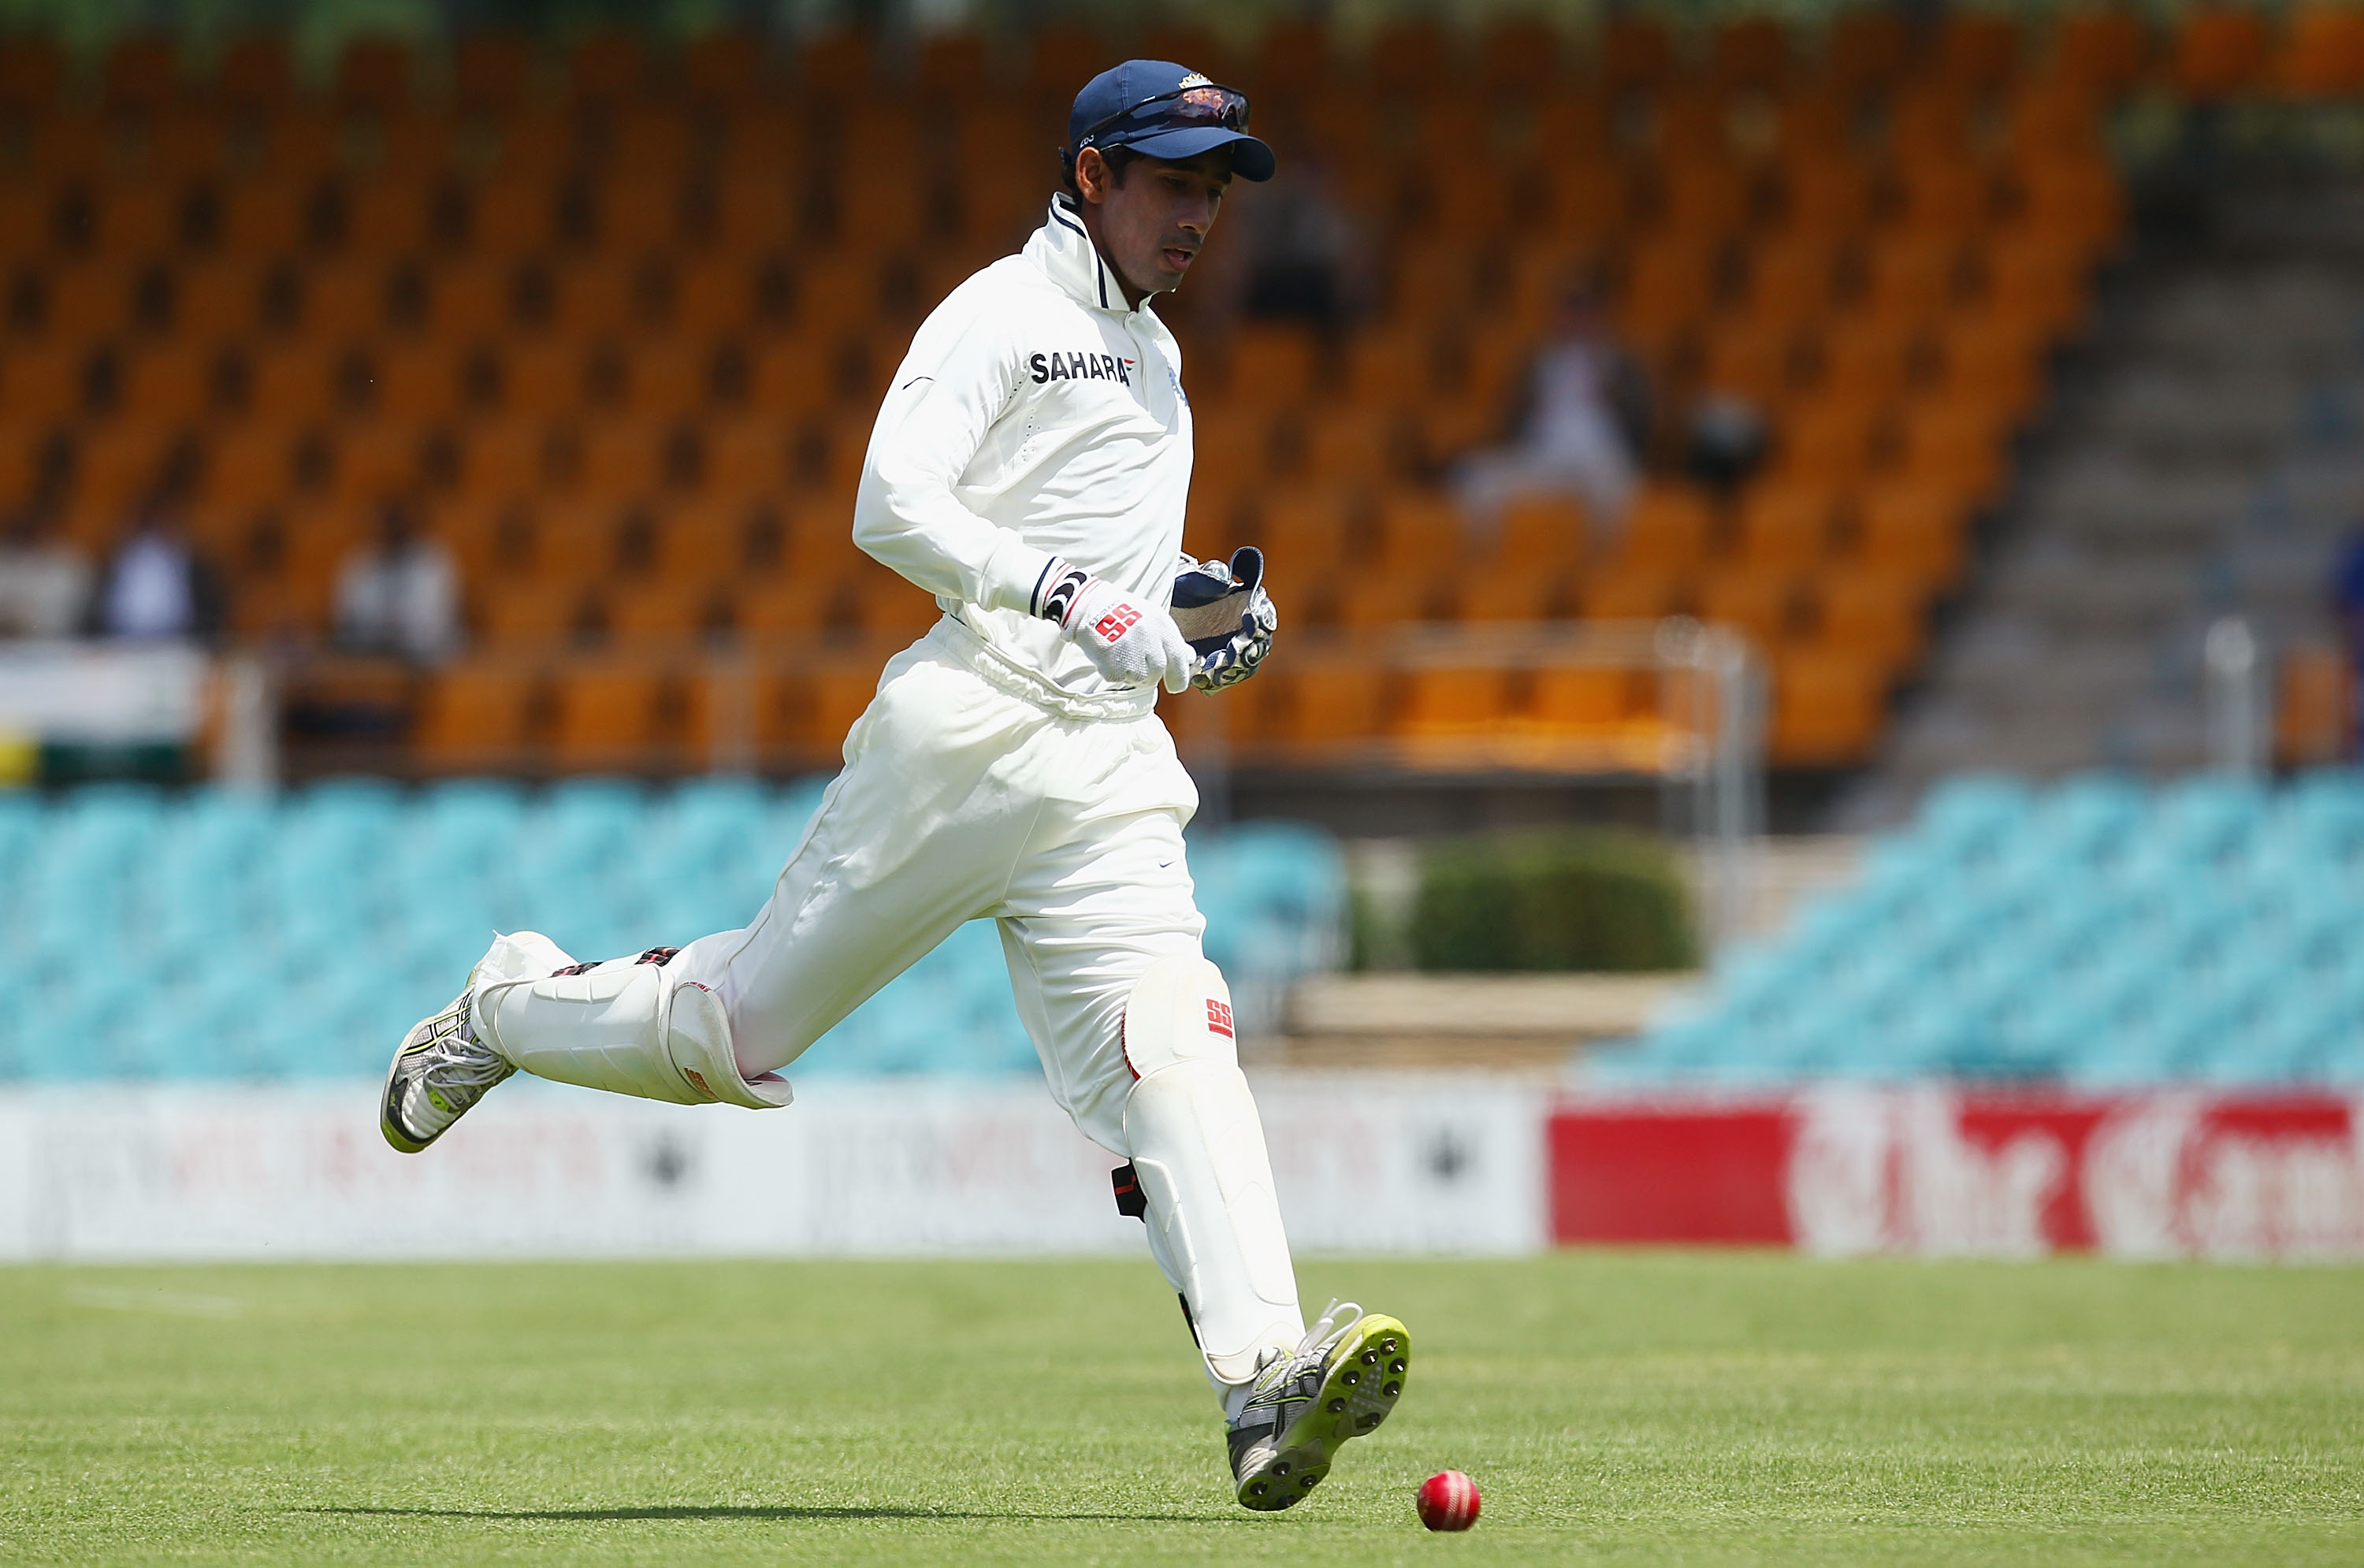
column 1036, row 414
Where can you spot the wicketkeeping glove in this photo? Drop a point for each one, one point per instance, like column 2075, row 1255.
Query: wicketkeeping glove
column 1131, row 641
column 1224, row 611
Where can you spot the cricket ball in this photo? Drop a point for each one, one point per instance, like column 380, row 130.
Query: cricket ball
column 1448, row 1500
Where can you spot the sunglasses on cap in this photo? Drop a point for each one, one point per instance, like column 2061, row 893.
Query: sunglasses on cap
column 1207, row 103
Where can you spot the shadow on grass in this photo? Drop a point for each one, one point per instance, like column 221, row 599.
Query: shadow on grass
column 783, row 1514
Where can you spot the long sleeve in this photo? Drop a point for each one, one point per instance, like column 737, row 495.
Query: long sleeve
column 907, row 513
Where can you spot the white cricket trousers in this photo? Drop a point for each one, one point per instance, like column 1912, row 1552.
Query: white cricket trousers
column 963, row 798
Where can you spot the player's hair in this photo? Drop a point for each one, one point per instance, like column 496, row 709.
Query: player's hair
column 1118, row 159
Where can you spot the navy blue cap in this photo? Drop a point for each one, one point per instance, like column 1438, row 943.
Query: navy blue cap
column 1156, row 107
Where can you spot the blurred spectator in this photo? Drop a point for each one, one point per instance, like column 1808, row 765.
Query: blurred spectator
column 1726, row 441
column 1582, row 412
column 155, row 585
column 44, row 581
column 1299, row 254
column 401, row 595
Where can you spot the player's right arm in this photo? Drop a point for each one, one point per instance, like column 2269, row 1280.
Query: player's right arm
column 908, row 515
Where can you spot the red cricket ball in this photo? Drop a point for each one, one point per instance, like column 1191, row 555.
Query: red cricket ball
column 1448, row 1500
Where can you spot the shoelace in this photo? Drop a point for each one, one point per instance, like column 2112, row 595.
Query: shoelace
column 457, row 1057
column 1317, row 1344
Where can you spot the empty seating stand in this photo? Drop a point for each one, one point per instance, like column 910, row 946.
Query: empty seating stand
column 2100, row 933
column 551, row 291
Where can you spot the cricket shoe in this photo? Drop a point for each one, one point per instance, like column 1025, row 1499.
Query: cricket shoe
column 440, row 1069
column 1342, row 1381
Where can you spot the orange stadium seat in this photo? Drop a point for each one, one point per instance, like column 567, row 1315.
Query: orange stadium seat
column 545, row 377
column 2220, row 51
column 1826, row 707
column 1450, row 701
column 1580, row 699
column 44, row 383
column 1420, row 533
column 1541, row 534
column 1670, row 282
column 33, row 72
column 293, row 381
column 609, row 66
column 1978, row 49
column 1866, row 48
column 1630, row 590
column 253, row 73
column 1912, row 276
column 1956, row 447
column 393, row 214
column 595, row 297
column 1826, row 441
column 1667, row 528
column 1752, row 599
column 505, row 460
column 1328, row 702
column 2321, row 55
column 1823, row 195
column 220, row 296
column 1703, row 197
column 345, row 299
column 2314, row 706
column 1785, row 527
column 1989, row 368
column 177, row 382
column 1913, row 530
column 1793, row 279
column 668, row 612
column 138, row 218
column 121, row 463
column 1272, row 366
column 627, row 458
column 1511, row 593
column 530, row 612
column 419, row 382
column 1879, row 615
column 478, row 713
column 2105, row 48
column 23, row 459
column 806, row 713
column 376, row 459
column 373, row 74
column 513, row 213
column 1584, row 200
column 93, row 299
column 261, row 218
column 1752, row 358
column 249, row 465
column 746, row 458
column 1867, row 359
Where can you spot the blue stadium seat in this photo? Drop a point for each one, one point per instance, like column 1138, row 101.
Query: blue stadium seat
column 358, row 905
column 2098, row 932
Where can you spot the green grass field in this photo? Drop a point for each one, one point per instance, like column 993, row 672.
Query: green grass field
column 1613, row 1406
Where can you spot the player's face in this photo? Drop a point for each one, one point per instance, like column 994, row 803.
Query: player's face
column 1150, row 225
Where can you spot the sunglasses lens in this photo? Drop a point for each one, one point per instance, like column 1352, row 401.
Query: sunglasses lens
column 1211, row 106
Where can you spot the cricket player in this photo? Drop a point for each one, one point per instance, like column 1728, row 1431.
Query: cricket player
column 1028, row 469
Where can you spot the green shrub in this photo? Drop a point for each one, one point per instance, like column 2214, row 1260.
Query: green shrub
column 1556, row 898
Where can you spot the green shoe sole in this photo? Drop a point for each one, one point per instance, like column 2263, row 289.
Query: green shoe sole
column 1365, row 1381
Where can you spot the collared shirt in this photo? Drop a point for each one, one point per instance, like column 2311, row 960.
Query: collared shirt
column 1036, row 414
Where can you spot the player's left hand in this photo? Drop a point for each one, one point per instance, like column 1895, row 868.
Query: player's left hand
column 1223, row 608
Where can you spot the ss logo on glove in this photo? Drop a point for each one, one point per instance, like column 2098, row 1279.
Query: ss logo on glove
column 1116, row 623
